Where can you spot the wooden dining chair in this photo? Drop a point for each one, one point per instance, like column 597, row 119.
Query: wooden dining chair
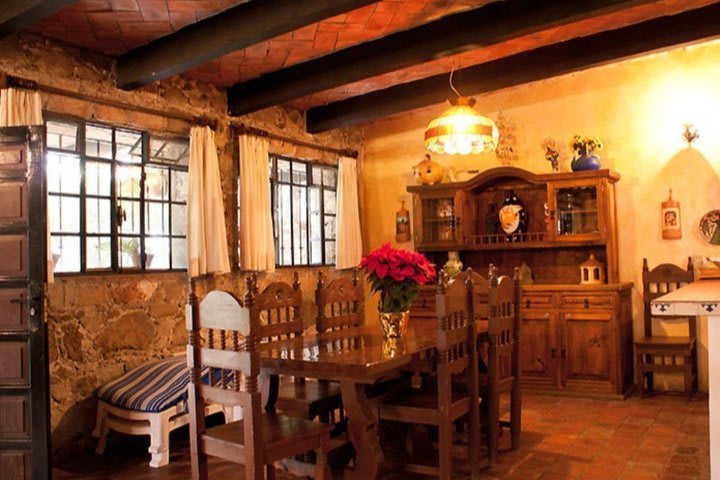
column 278, row 311
column 660, row 353
column 340, row 303
column 223, row 337
column 503, row 357
column 441, row 405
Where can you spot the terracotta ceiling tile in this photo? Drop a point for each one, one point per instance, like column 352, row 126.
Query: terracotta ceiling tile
column 305, row 33
column 90, row 5
column 155, row 10
column 124, row 5
column 325, row 40
column 180, row 18
column 360, row 15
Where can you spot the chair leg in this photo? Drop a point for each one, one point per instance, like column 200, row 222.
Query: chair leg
column 650, row 375
column 102, row 440
column 321, row 464
column 493, row 428
column 159, row 441
column 515, row 416
column 445, row 444
column 102, row 413
column 688, row 376
column 269, row 472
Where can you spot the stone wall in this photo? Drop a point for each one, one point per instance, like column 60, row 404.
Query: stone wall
column 102, row 326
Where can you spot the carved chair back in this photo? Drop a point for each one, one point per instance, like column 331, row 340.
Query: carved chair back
column 223, row 338
column 661, row 280
column 340, row 303
column 277, row 309
column 457, row 351
column 503, row 329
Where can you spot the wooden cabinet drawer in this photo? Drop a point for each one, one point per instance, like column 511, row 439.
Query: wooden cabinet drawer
column 537, row 301
column 15, row 464
column 587, row 302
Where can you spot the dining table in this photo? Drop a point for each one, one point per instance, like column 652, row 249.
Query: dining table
column 357, row 358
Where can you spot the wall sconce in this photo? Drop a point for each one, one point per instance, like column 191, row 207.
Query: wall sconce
column 690, row 134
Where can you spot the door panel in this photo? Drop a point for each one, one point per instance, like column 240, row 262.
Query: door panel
column 24, row 384
column 538, row 353
column 14, row 416
column 14, row 363
column 13, row 255
column 13, row 311
column 15, row 464
column 588, row 346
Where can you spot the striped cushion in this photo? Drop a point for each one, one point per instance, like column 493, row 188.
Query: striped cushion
column 152, row 387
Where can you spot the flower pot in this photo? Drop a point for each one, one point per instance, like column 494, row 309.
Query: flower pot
column 394, row 324
column 585, row 162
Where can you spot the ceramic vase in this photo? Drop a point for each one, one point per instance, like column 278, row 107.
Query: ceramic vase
column 585, row 162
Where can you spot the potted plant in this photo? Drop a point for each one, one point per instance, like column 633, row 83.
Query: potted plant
column 131, row 247
column 585, row 158
column 397, row 275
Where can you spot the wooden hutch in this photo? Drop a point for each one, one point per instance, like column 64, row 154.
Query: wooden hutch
column 576, row 339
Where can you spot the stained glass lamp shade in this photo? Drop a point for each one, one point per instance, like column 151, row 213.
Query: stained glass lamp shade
column 461, row 130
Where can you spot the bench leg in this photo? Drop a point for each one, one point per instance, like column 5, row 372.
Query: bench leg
column 159, row 441
column 99, row 420
column 102, row 440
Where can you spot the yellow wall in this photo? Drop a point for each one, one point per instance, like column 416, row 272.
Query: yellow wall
column 638, row 108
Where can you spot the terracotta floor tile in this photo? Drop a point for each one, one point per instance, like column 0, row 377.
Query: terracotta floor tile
column 656, row 438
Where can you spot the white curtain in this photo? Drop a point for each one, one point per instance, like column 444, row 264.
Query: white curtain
column 23, row 108
column 20, row 108
column 349, row 239
column 206, row 235
column 257, row 245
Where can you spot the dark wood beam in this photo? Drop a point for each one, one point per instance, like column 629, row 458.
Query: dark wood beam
column 16, row 15
column 545, row 62
column 487, row 25
column 234, row 29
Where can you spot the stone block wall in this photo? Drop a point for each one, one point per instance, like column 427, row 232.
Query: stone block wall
column 103, row 325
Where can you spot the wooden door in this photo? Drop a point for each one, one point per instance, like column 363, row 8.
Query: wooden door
column 24, row 401
column 539, row 352
column 588, row 348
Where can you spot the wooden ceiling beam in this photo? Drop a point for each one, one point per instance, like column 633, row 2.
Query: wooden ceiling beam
column 231, row 30
column 490, row 24
column 16, row 15
column 542, row 63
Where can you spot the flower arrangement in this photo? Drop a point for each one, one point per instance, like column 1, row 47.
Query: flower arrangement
column 552, row 152
column 397, row 275
column 583, row 146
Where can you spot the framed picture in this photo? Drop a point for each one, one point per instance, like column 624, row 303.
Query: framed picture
column 670, row 218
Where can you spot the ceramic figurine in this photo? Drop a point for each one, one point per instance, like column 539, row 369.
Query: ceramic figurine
column 428, row 172
column 592, row 272
column 513, row 217
column 453, row 266
column 526, row 277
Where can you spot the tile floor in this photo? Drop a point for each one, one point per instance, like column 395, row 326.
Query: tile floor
column 659, row 438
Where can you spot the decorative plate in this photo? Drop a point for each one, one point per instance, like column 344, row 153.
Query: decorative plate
column 710, row 227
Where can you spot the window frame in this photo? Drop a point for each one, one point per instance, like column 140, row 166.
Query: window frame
column 309, row 166
column 114, row 198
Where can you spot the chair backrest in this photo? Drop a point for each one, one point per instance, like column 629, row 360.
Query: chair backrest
column 277, row 309
column 479, row 292
column 503, row 330
column 340, row 303
column 457, row 346
column 661, row 280
column 222, row 340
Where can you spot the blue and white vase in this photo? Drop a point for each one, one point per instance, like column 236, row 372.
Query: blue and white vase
column 585, row 162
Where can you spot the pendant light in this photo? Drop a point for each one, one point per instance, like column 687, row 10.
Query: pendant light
column 461, row 129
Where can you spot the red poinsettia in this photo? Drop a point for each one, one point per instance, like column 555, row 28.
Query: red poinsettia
column 397, row 274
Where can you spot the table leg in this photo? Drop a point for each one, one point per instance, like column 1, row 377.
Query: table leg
column 363, row 430
column 714, row 393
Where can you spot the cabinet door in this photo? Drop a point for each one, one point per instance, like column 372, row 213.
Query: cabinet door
column 588, row 347
column 538, row 351
column 436, row 220
column 578, row 210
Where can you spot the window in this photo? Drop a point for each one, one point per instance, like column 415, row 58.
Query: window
column 304, row 211
column 116, row 198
